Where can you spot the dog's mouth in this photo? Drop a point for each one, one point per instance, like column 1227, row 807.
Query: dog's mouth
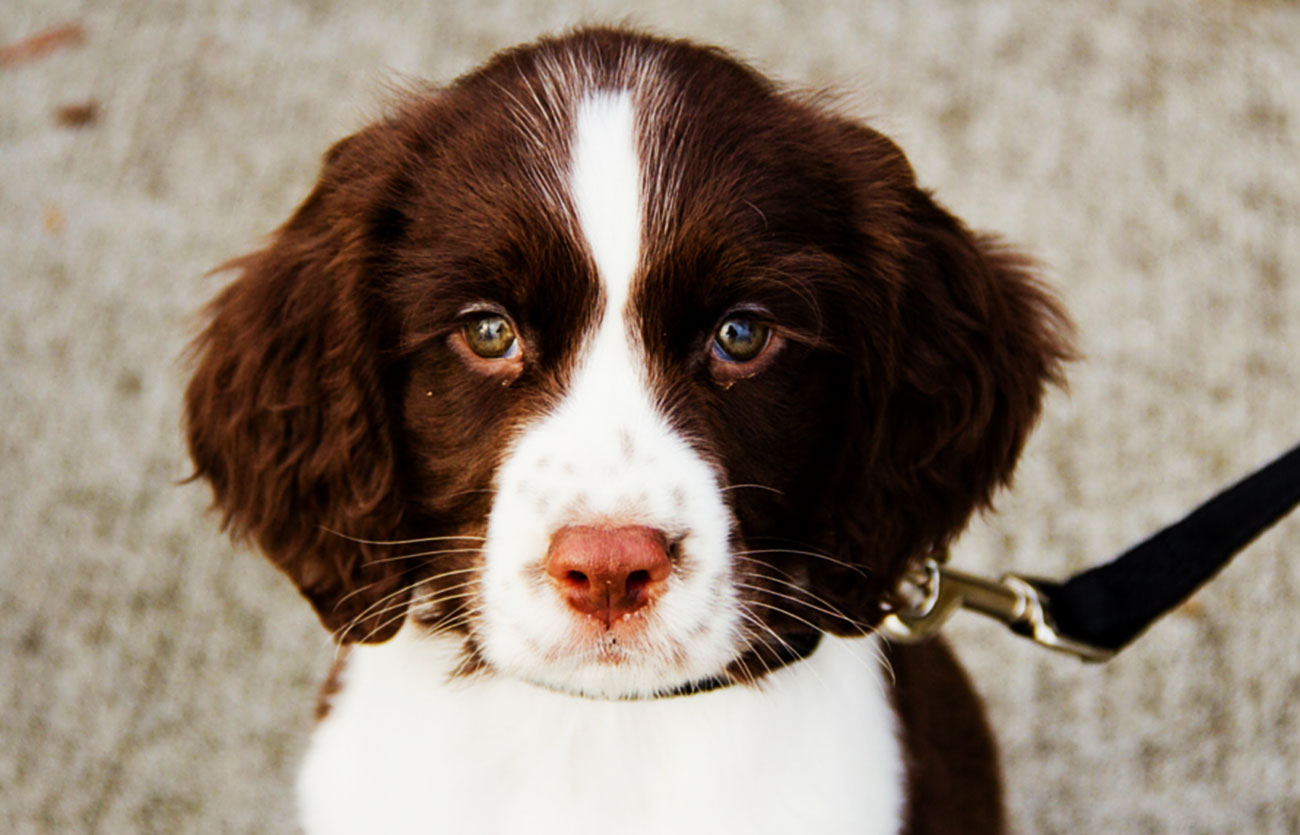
column 635, row 657
column 606, row 658
column 621, row 642
column 644, row 655
column 625, row 662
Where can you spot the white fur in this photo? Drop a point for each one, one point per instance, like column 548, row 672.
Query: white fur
column 404, row 751
column 605, row 179
column 607, row 456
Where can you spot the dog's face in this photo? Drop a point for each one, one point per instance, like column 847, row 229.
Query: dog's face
column 620, row 364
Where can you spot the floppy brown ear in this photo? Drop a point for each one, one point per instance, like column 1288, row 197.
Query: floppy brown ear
column 945, row 395
column 287, row 416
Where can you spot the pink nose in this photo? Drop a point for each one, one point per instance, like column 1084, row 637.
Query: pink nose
column 608, row 573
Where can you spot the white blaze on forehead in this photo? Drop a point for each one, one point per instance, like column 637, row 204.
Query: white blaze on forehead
column 606, row 189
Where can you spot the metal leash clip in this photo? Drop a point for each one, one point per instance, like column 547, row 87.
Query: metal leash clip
column 933, row 592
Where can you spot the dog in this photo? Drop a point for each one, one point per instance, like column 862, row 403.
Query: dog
column 599, row 402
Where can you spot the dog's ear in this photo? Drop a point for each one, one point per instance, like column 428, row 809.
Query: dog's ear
column 946, row 391
column 288, row 416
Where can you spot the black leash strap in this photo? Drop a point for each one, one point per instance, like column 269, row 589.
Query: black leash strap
column 1097, row 613
column 1110, row 605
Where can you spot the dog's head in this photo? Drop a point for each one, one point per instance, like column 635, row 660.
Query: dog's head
column 620, row 363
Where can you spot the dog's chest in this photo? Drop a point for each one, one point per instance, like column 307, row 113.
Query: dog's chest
column 815, row 749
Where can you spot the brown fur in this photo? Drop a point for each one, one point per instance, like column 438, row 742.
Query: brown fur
column 953, row 780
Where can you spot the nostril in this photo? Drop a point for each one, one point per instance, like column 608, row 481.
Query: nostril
column 637, row 582
column 575, row 578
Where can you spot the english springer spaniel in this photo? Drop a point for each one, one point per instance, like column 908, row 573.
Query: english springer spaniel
column 598, row 402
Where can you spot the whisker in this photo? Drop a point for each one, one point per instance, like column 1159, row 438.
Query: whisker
column 439, row 599
column 866, row 633
column 382, row 626
column 882, row 657
column 463, row 666
column 438, row 553
column 756, row 619
column 368, row 586
column 805, row 621
column 753, row 486
column 855, row 568
column 390, row 608
column 878, row 650
column 448, row 624
column 366, row 612
column 358, row 590
column 404, row 611
column 407, row 587
column 740, row 661
column 470, row 491
column 412, row 587
column 789, row 582
column 458, row 617
column 415, row 541
column 835, row 614
column 452, row 573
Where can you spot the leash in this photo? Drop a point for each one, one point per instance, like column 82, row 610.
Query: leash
column 1095, row 614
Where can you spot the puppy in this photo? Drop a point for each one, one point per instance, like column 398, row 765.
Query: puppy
column 598, row 403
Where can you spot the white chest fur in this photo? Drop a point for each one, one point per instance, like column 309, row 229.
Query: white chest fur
column 403, row 750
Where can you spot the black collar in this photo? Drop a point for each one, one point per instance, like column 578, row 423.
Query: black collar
column 794, row 648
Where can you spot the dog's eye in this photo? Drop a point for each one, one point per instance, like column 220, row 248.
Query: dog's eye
column 492, row 337
column 739, row 339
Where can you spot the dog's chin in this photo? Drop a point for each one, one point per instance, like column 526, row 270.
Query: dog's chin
column 610, row 664
column 615, row 679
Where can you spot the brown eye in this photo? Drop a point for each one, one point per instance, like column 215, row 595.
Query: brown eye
column 739, row 339
column 492, row 337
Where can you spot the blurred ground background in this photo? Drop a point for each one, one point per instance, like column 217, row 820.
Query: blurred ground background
column 153, row 679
